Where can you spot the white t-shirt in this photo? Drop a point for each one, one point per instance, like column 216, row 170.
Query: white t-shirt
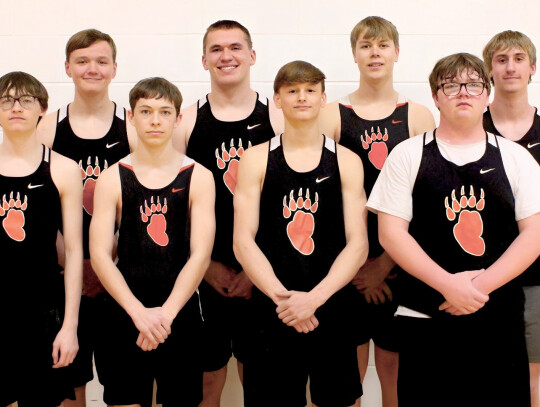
column 392, row 192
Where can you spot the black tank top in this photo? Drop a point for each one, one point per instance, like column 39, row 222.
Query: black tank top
column 153, row 243
column 301, row 226
column 31, row 216
column 373, row 140
column 218, row 145
column 464, row 219
column 531, row 141
column 92, row 155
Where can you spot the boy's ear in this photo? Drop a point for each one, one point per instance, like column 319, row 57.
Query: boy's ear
column 277, row 100
column 130, row 116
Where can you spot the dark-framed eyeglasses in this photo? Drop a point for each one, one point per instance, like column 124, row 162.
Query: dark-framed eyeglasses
column 26, row 101
column 453, row 88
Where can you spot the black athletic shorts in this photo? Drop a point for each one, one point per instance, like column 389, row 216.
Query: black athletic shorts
column 225, row 328
column 377, row 322
column 466, row 361
column 280, row 362
column 26, row 360
column 127, row 373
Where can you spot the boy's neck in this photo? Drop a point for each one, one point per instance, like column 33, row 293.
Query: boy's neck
column 91, row 104
column 231, row 96
column 154, row 156
column 510, row 106
column 374, row 91
column 461, row 133
column 301, row 134
column 20, row 144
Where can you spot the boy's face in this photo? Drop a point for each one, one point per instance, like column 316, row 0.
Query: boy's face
column 463, row 107
column 375, row 57
column 511, row 69
column 154, row 120
column 19, row 119
column 300, row 101
column 227, row 56
column 92, row 68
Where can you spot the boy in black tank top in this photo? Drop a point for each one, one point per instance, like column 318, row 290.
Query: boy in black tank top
column 371, row 121
column 459, row 211
column 163, row 203
column 41, row 191
column 216, row 131
column 300, row 235
column 510, row 58
column 91, row 131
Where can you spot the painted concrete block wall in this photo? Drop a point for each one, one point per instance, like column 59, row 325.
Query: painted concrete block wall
column 165, row 39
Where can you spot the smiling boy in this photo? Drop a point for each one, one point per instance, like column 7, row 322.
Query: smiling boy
column 163, row 204
column 216, row 131
column 92, row 131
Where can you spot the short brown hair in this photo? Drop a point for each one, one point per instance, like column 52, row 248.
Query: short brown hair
column 453, row 65
column 86, row 38
column 156, row 88
column 23, row 83
column 227, row 25
column 374, row 27
column 298, row 72
column 508, row 40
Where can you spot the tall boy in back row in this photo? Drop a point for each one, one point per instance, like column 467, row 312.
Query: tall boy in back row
column 510, row 58
column 92, row 131
column 371, row 121
column 216, row 131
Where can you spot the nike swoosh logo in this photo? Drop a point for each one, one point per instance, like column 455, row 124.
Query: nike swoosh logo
column 174, row 190
column 112, row 145
column 321, row 179
column 30, row 186
column 482, row 171
column 531, row 145
column 397, row 121
column 252, row 127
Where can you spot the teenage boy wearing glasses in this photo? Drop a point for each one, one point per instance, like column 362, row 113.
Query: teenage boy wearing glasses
column 41, row 190
column 510, row 58
column 459, row 213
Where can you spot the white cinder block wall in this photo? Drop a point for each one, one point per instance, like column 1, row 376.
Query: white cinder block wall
column 165, row 39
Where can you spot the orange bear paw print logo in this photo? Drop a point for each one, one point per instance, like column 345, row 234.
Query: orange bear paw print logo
column 158, row 224
column 300, row 228
column 89, row 176
column 376, row 144
column 229, row 159
column 14, row 222
column 469, row 228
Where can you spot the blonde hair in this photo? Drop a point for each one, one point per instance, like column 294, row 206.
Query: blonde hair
column 374, row 27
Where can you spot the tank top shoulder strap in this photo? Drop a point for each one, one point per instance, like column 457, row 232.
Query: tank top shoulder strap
column 275, row 142
column 202, row 101
column 61, row 113
column 46, row 156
